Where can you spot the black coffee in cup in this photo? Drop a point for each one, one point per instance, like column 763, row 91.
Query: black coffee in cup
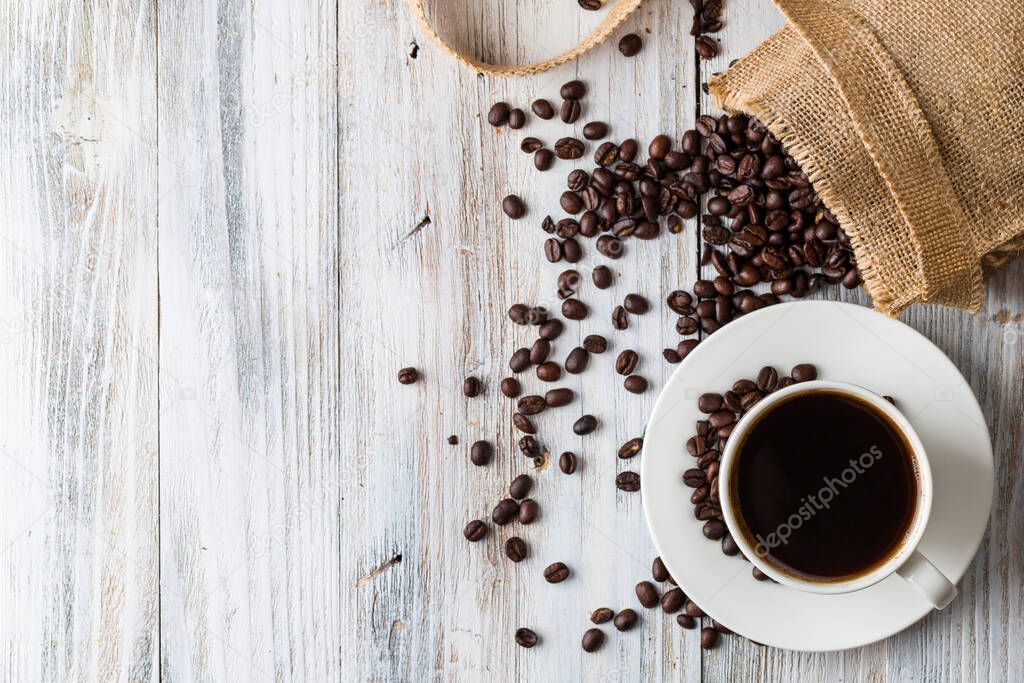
column 826, row 486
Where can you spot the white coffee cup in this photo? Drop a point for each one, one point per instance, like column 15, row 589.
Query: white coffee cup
column 905, row 560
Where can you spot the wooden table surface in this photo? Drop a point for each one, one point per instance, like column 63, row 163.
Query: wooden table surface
column 227, row 225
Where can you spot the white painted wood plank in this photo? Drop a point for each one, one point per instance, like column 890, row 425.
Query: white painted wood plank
column 251, row 469
column 78, row 342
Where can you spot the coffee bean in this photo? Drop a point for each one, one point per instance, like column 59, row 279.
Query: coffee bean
column 658, row 570
column 568, row 281
column 498, row 114
column 708, row 638
column 520, row 486
column 605, row 155
column 692, row 610
column 523, row 424
column 556, row 398
column 552, row 250
column 626, row 362
column 630, row 45
column 549, row 372
column 647, row 594
column 577, row 360
column 602, row 615
column 722, row 418
column 570, row 110
column 707, row 48
column 528, row 511
column 572, row 251
column 635, row 384
column 694, row 477
column 571, row 202
column 569, row 148
column 626, row 619
column 520, row 360
column 659, row 147
column 680, row 302
column 768, row 378
column 595, row 130
column 729, row 546
column 714, row 529
column 475, row 531
column 543, row 159
column 670, row 356
column 550, row 330
column 602, row 276
column 531, row 405
column 686, row 621
column 627, row 481
column 525, row 638
column 590, row 5
column 504, row 512
column 804, row 372
column 672, row 601
column 628, row 150
column 609, row 246
column 574, row 309
column 709, row 403
column 480, row 453
column 595, row 343
column 585, row 425
column 619, row 320
column 556, row 572
column 515, row 549
column 529, row 447
column 573, row 90
column 510, row 387
column 542, row 108
column 636, row 304
column 593, row 639
column 513, row 207
column 567, row 462
column 408, row 376
column 471, row 387
column 685, row 347
column 530, row 145
column 453, row 440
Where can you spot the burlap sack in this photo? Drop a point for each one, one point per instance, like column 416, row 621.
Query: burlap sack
column 906, row 114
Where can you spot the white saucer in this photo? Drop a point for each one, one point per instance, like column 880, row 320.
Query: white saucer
column 852, row 344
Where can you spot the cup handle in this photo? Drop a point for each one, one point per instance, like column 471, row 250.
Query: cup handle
column 919, row 571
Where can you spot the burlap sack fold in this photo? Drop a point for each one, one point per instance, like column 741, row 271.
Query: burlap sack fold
column 906, row 115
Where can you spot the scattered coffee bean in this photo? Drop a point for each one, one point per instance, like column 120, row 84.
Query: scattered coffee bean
column 573, row 90
column 471, row 387
column 805, row 372
column 516, row 119
column 574, row 309
column 556, row 398
column 670, row 356
column 759, row 575
column 530, row 145
column 625, row 620
column 408, row 376
column 523, row 423
column 630, row 448
column 692, row 610
column 549, row 372
column 672, row 601
column 515, row 549
column 595, row 130
column 708, row 638
column 602, row 277
column 627, row 481
column 513, row 207
column 619, row 320
column 550, row 330
column 529, row 447
column 453, row 440
column 526, row 638
column 498, row 114
column 543, row 159
column 636, row 304
column 584, row 425
column 630, row 45
column 556, row 572
column 659, row 147
column 567, row 462
column 517, row 313
column 528, row 511
column 721, row 628
column 593, row 639
column 635, row 384
column 609, row 246
column 686, row 621
column 569, row 148
column 577, row 360
column 626, row 362
column 543, row 109
column 475, row 530
column 504, row 512
column 602, row 615
column 520, row 486
column 658, row 570
column 570, row 110
column 595, row 343
column 647, row 594
column 480, row 453
column 531, row 405
column 510, row 386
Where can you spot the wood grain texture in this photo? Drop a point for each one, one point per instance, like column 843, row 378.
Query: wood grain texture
column 78, row 346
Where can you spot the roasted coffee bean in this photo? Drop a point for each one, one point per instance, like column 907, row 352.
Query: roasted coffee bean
column 767, row 379
column 626, row 362
column 552, row 250
column 573, row 89
column 571, row 250
column 630, row 45
column 595, row 130
column 567, row 462
column 635, row 384
column 471, row 387
column 550, row 330
column 804, row 372
column 529, row 447
column 721, row 628
column 571, row 202
column 531, row 405
column 523, row 424
column 520, row 360
column 602, row 276
column 516, row 119
column 759, row 575
column 630, row 448
column 659, row 147
column 694, row 477
column 569, row 148
column 595, row 343
column 585, row 425
column 525, row 638
column 742, row 386
column 515, row 549
column 528, row 511
column 625, row 620
column 408, row 376
column 556, row 398
column 453, row 440
column 729, row 546
column 686, row 621
column 480, row 453
column 556, row 572
column 670, row 356
column 602, row 615
column 647, row 594
column 513, row 207
column 475, row 531
column 672, row 601
column 627, row 481
column 543, row 159
column 498, row 114
column 619, row 320
column 692, row 610
column 570, row 110
column 686, row 346
column 609, row 246
column 658, row 570
column 680, row 302
column 520, row 486
column 709, row 403
column 574, row 309
column 593, row 639
column 504, row 512
column 628, row 150
column 549, row 372
column 542, row 108
column 708, row 638
column 714, row 529
column 511, row 387
column 636, row 304
column 576, row 361
column 605, row 154
column 722, row 418
column 530, row 145
column 568, row 281
column 577, row 180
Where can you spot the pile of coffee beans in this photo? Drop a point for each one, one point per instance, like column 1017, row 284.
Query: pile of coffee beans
column 712, row 432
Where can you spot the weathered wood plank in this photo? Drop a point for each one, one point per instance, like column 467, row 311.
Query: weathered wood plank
column 78, row 342
column 251, row 468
